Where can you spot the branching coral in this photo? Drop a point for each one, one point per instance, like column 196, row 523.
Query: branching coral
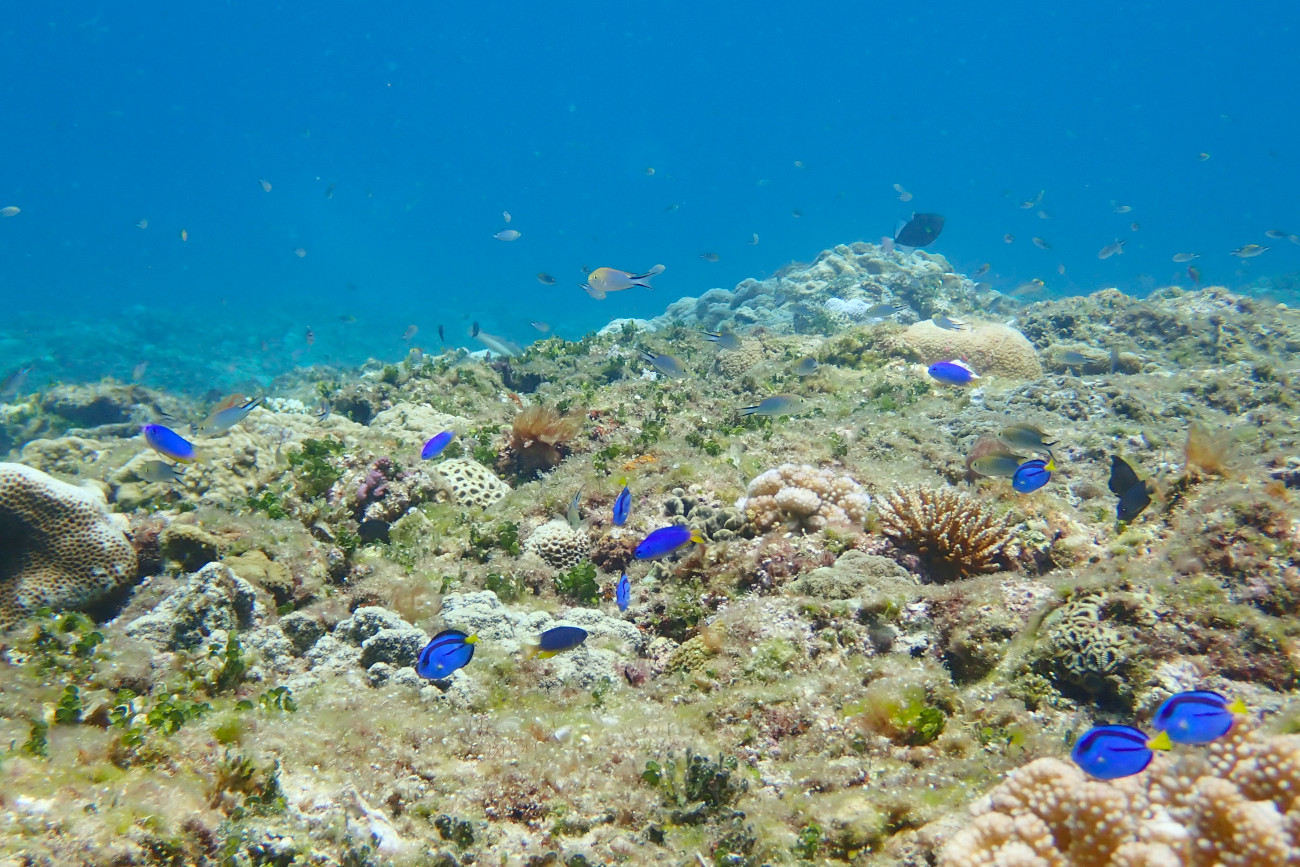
column 806, row 498
column 955, row 535
column 1235, row 802
column 538, row 438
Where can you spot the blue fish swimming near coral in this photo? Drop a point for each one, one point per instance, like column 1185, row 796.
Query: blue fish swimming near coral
column 555, row 640
column 622, row 504
column 1196, row 717
column 436, row 444
column 1032, row 475
column 1111, row 752
column 449, row 650
column 169, row 444
column 623, row 593
column 666, row 540
column 952, row 372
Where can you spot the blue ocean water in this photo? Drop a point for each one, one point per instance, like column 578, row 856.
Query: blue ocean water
column 394, row 137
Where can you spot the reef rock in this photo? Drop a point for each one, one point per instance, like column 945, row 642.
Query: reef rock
column 211, row 603
column 990, row 348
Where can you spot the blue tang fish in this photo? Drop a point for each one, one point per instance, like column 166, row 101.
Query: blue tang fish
column 434, row 447
column 666, row 540
column 169, row 444
column 1111, row 752
column 623, row 593
column 555, row 640
column 952, row 372
column 449, row 650
column 1032, row 475
column 622, row 504
column 1196, row 717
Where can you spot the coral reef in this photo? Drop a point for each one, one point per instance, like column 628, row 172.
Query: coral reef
column 539, row 439
column 560, row 545
column 990, row 348
column 470, row 483
column 805, row 498
column 1231, row 802
column 59, row 546
column 954, row 535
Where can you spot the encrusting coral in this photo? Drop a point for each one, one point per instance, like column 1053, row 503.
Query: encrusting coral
column 1235, row 803
column 990, row 348
column 538, row 437
column 954, row 535
column 59, row 547
column 806, row 498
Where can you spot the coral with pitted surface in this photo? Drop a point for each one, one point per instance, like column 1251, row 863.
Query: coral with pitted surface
column 717, row 523
column 59, row 546
column 806, row 498
column 1234, row 803
column 469, row 483
column 990, row 348
column 559, row 544
column 954, row 535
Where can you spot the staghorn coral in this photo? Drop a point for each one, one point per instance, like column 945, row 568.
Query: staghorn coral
column 559, row 544
column 1234, row 803
column 805, row 498
column 538, row 441
column 59, row 546
column 954, row 535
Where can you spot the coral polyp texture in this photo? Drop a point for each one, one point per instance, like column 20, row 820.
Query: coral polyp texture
column 991, row 349
column 59, row 546
column 469, row 483
column 805, row 498
column 954, row 535
column 559, row 544
column 1234, row 803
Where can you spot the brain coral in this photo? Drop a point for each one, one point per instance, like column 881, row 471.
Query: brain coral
column 990, row 348
column 59, row 546
column 805, row 497
column 1234, row 803
column 470, row 483
column 559, row 544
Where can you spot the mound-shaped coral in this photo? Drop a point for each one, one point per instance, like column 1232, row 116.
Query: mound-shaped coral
column 559, row 544
column 991, row 349
column 806, row 498
column 469, row 483
column 1235, row 802
column 954, row 535
column 59, row 546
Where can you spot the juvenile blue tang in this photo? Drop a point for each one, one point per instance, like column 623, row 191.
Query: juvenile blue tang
column 1032, row 475
column 555, row 640
column 666, row 540
column 1111, row 752
column 434, row 446
column 449, row 650
column 952, row 372
column 1196, row 717
column 622, row 504
column 623, row 593
column 169, row 444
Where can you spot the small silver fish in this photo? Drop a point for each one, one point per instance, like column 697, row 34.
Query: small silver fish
column 947, row 323
column 323, row 410
column 13, row 383
column 1123, row 209
column 669, row 365
column 806, row 366
column 1001, row 464
column 507, row 235
column 1279, row 235
column 573, row 514
column 1249, row 251
column 883, row 310
column 1186, row 257
column 1073, row 358
column 781, row 404
column 724, row 339
column 1115, row 249
column 1025, row 436
column 224, row 419
column 1041, row 244
column 158, row 471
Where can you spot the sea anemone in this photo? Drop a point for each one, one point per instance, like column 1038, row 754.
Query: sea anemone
column 954, row 535
column 538, row 438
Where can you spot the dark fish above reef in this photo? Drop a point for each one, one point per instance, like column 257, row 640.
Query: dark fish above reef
column 921, row 230
column 1134, row 493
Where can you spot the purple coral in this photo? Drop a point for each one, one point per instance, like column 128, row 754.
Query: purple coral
column 375, row 485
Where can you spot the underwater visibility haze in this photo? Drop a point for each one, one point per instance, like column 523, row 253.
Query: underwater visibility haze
column 666, row 433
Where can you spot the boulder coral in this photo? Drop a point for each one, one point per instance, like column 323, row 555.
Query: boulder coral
column 806, row 498
column 59, row 546
column 990, row 348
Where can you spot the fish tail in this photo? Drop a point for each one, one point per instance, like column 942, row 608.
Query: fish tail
column 471, row 639
column 697, row 537
column 749, row 410
column 1237, row 706
column 1161, row 742
column 531, row 649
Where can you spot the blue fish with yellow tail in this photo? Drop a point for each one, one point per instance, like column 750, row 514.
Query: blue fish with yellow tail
column 622, row 504
column 1197, row 717
column 555, row 640
column 1111, row 752
column 952, row 372
column 666, row 540
column 623, row 593
column 436, row 444
column 169, row 444
column 1033, row 474
column 449, row 650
